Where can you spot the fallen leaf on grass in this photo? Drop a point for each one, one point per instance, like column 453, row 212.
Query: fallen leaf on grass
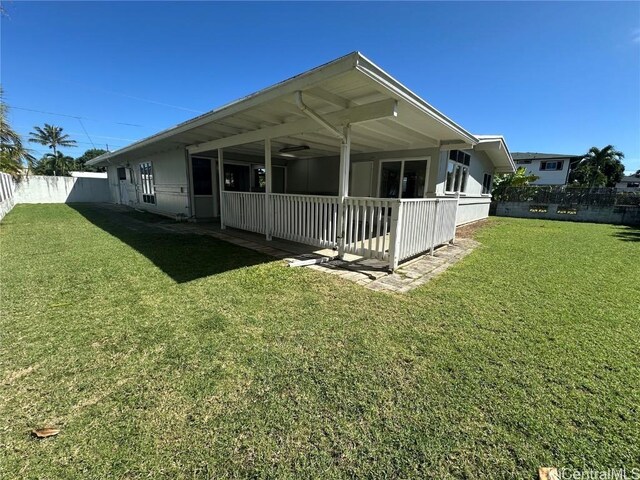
column 45, row 432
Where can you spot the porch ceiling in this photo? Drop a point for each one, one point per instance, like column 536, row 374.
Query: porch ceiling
column 338, row 91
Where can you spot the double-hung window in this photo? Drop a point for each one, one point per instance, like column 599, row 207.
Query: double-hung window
column 486, row 184
column 146, row 176
column 457, row 171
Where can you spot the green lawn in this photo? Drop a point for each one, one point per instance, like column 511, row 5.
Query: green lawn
column 176, row 356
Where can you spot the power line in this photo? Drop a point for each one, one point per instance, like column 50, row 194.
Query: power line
column 24, row 127
column 85, row 131
column 97, row 89
column 73, row 116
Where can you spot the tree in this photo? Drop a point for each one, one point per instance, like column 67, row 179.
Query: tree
column 52, row 137
column 599, row 168
column 81, row 162
column 12, row 151
column 519, row 178
column 51, row 164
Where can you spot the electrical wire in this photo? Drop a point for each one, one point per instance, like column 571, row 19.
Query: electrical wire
column 73, row 116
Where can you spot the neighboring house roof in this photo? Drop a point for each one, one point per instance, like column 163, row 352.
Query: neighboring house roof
column 540, row 156
column 630, row 178
column 350, row 89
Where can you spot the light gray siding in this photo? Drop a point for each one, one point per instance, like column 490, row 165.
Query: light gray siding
column 169, row 180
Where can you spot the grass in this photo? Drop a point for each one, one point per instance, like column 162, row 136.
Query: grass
column 176, row 356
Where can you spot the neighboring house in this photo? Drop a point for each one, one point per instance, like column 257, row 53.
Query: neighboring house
column 341, row 156
column 551, row 168
column 629, row 183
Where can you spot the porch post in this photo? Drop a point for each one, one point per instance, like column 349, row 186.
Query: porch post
column 268, row 224
column 343, row 185
column 221, row 186
column 455, row 218
column 394, row 235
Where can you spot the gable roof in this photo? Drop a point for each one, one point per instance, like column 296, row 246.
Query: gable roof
column 350, row 87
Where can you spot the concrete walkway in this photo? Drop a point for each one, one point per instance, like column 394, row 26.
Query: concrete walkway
column 369, row 273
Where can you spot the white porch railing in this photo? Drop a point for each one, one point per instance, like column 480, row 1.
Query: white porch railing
column 244, row 210
column 422, row 225
column 310, row 219
column 367, row 226
column 392, row 230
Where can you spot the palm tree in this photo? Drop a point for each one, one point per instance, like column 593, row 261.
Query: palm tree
column 12, row 151
column 599, row 167
column 52, row 137
column 50, row 165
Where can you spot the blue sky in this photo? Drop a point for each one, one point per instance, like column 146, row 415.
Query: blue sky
column 551, row 77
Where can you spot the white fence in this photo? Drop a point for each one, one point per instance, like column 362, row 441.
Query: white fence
column 47, row 189
column 310, row 219
column 244, row 210
column 367, row 226
column 422, row 225
column 7, row 197
column 391, row 230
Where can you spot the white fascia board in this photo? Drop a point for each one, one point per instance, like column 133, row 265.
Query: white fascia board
column 374, row 72
column 299, row 82
column 496, row 145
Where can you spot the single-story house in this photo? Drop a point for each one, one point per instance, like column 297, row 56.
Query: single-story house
column 550, row 168
column 342, row 156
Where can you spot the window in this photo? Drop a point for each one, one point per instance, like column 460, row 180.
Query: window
column 551, row 165
column 460, row 157
column 237, row 178
column 403, row 178
column 202, row 180
column 146, row 175
column 457, row 171
column 633, row 184
column 122, row 173
column 523, row 162
column 486, row 184
column 259, row 179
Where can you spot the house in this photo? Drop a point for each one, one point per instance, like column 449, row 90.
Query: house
column 551, row 168
column 629, row 183
column 342, row 156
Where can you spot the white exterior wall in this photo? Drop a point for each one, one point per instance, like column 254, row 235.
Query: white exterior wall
column 171, row 187
column 317, row 176
column 547, row 177
column 473, row 204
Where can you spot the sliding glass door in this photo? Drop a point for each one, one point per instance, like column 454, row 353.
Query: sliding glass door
column 402, row 178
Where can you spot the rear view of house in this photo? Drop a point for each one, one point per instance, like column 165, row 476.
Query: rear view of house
column 341, row 156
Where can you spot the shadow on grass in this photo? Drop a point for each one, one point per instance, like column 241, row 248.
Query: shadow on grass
column 183, row 257
column 628, row 234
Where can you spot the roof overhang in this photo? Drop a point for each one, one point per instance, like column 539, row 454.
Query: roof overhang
column 497, row 150
column 383, row 114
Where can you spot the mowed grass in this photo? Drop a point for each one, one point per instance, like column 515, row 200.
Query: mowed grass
column 176, row 356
